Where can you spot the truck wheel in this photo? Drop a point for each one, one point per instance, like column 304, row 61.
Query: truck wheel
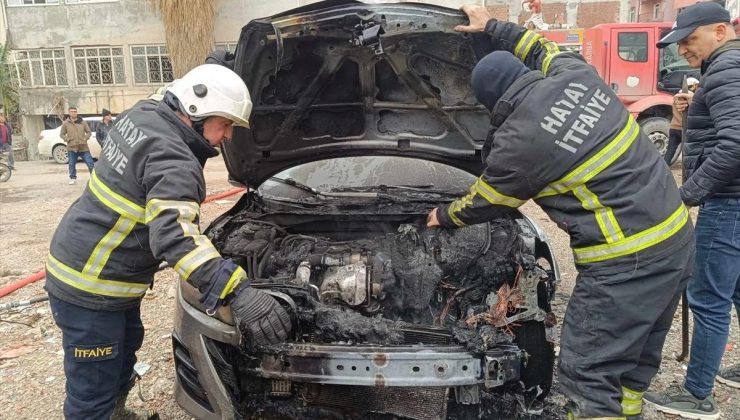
column 657, row 129
column 59, row 153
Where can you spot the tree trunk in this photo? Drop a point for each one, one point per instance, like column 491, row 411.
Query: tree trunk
column 188, row 28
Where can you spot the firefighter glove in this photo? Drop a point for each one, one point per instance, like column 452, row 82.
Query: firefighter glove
column 260, row 318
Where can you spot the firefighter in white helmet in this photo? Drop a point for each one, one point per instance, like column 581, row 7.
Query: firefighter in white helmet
column 140, row 208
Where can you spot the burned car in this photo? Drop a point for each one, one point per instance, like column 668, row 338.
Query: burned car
column 364, row 121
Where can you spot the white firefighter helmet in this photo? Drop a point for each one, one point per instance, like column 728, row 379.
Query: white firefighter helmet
column 212, row 89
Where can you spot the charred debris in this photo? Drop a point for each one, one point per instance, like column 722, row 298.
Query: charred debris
column 383, row 278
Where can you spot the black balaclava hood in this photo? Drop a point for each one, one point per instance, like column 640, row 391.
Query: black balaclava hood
column 493, row 74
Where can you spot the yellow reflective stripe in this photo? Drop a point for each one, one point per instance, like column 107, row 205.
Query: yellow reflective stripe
column 458, row 205
column 631, row 402
column 451, row 210
column 547, row 60
column 187, row 213
column 631, row 409
column 494, row 197
column 604, row 215
column 107, row 244
column 194, row 259
column 636, row 242
column 549, row 46
column 236, row 277
column 93, row 284
column 596, row 163
column 115, row 201
column 188, row 209
column 525, row 44
column 631, row 395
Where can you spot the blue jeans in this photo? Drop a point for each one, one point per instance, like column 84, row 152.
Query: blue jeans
column 713, row 288
column 99, row 356
column 86, row 156
column 8, row 150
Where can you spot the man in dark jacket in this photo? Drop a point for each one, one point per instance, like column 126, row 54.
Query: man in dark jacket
column 711, row 166
column 561, row 137
column 101, row 132
column 141, row 207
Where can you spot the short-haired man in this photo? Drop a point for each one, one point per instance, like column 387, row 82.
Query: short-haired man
column 75, row 133
column 711, row 165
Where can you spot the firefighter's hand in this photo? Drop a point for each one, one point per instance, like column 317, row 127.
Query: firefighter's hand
column 260, row 318
column 478, row 16
column 681, row 101
column 432, row 220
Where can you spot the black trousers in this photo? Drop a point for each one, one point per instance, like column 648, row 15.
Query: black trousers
column 614, row 329
column 99, row 356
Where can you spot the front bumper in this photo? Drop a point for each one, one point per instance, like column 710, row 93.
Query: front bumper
column 200, row 390
column 198, row 387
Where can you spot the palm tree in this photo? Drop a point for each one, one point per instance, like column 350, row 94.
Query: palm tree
column 188, row 28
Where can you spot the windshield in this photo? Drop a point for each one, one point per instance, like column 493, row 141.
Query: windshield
column 366, row 173
column 672, row 67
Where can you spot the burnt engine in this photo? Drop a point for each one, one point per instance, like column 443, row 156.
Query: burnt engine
column 371, row 281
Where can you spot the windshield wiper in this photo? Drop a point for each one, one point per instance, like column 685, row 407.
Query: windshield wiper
column 428, row 189
column 321, row 194
column 293, row 183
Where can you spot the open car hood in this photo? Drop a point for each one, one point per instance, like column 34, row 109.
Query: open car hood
column 344, row 78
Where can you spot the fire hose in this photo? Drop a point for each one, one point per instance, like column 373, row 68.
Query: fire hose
column 12, row 287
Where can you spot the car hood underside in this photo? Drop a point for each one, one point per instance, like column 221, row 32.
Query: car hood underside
column 348, row 79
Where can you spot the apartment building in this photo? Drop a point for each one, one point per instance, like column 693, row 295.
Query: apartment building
column 96, row 54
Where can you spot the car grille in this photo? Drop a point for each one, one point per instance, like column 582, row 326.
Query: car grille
column 188, row 374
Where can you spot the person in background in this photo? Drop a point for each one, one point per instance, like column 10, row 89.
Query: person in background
column 675, row 134
column 6, row 140
column 75, row 133
column 711, row 181
column 535, row 21
column 104, row 127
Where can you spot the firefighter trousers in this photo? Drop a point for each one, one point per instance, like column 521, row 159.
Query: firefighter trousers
column 99, row 356
column 614, row 329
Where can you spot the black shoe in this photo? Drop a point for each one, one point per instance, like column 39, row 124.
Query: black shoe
column 677, row 400
column 730, row 376
column 121, row 412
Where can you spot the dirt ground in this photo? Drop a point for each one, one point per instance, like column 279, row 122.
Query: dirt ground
column 31, row 376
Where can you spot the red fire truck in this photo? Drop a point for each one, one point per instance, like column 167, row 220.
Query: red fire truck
column 644, row 77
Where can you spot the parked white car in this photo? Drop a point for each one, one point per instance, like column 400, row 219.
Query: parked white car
column 51, row 144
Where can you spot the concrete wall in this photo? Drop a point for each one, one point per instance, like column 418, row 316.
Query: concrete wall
column 134, row 22
column 3, row 23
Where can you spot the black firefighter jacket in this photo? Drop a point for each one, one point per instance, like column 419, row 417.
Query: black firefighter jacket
column 568, row 143
column 711, row 159
column 140, row 207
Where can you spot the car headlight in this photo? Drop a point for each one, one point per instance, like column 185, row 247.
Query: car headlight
column 192, row 296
